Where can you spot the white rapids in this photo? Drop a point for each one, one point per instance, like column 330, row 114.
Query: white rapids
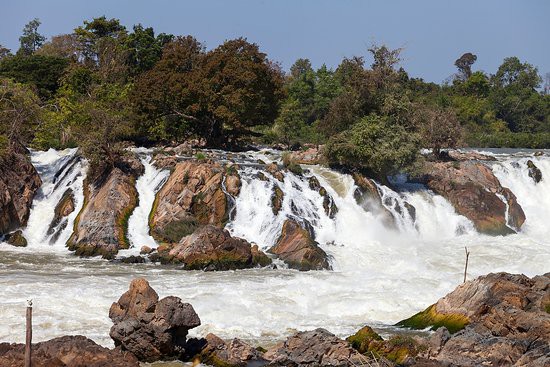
column 380, row 275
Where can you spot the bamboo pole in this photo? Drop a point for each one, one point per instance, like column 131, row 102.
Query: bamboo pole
column 466, row 265
column 28, row 339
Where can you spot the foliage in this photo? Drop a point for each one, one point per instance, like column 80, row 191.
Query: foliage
column 31, row 40
column 439, row 128
column 464, row 65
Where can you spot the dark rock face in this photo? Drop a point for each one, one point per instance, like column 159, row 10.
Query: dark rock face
column 296, row 247
column 19, row 182
column 64, row 207
column 213, row 248
column 534, row 171
column 148, row 328
column 507, row 322
column 368, row 197
column 66, row 351
column 101, row 224
column 328, row 202
column 16, row 239
column 314, row 348
column 476, row 193
column 277, row 199
column 235, row 353
column 192, row 197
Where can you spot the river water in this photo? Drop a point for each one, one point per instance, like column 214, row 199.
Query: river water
column 380, row 275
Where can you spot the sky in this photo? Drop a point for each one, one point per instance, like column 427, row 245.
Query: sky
column 433, row 33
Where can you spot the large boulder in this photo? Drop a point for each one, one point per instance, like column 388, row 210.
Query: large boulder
column 213, row 351
column 66, row 351
column 328, row 202
column 64, row 207
column 213, row 248
column 311, row 155
column 19, row 181
column 298, row 249
column 16, row 239
column 192, row 197
column 148, row 328
column 316, row 348
column 100, row 227
column 499, row 319
column 476, row 193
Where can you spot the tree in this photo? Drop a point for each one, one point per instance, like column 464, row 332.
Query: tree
column 98, row 39
column 31, row 40
column 144, row 48
column 376, row 145
column 4, row 52
column 439, row 128
column 63, row 45
column 464, row 65
column 383, row 67
column 514, row 73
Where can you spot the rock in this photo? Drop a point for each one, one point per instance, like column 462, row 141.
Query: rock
column 192, row 197
column 534, row 171
column 401, row 349
column 131, row 260
column 476, row 193
column 16, row 239
column 146, row 250
column 538, row 153
column 261, row 176
column 296, row 248
column 235, row 353
column 213, row 248
column 233, row 180
column 498, row 319
column 367, row 196
column 100, row 227
column 328, row 202
column 19, row 181
column 163, row 161
column 148, row 328
column 316, row 348
column 66, row 351
column 274, row 170
column 312, row 155
column 64, row 207
column 469, row 156
column 277, row 199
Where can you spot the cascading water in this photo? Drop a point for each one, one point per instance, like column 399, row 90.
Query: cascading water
column 381, row 274
column 59, row 171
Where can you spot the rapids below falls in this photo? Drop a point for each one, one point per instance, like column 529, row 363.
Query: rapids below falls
column 380, row 275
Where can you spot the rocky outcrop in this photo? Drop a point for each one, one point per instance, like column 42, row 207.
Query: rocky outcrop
column 498, row 319
column 317, row 348
column 277, row 198
column 192, row 197
column 19, row 182
column 311, row 155
column 219, row 353
column 275, row 171
column 64, row 207
column 534, row 171
column 298, row 249
column 16, row 239
column 100, row 227
column 213, row 248
column 328, row 202
column 468, row 156
column 66, row 351
column 476, row 193
column 366, row 194
column 148, row 328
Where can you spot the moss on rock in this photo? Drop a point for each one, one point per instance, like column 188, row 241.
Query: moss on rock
column 434, row 320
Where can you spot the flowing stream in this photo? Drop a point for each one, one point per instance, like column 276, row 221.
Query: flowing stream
column 381, row 275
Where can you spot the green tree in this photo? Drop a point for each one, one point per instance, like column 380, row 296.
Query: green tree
column 4, row 52
column 31, row 40
column 144, row 48
column 464, row 65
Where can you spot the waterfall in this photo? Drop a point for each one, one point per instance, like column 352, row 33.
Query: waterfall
column 59, row 171
column 147, row 185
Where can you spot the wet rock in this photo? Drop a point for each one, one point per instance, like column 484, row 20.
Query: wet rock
column 317, row 348
column 235, row 353
column 297, row 248
column 19, row 181
column 100, row 227
column 16, row 239
column 64, row 207
column 66, row 351
column 534, row 171
column 261, row 176
column 538, row 153
column 192, row 197
column 476, row 193
column 469, row 156
column 148, row 328
column 312, row 155
column 274, row 170
column 369, row 198
column 328, row 202
column 498, row 319
column 131, row 260
column 213, row 248
column 277, row 199
column 146, row 250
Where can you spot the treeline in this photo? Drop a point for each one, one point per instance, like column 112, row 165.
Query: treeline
column 103, row 85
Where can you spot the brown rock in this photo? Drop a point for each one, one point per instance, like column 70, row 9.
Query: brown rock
column 146, row 250
column 470, row 156
column 277, row 199
column 101, row 224
column 328, row 202
column 312, row 155
column 534, row 171
column 16, row 239
column 368, row 197
column 275, row 171
column 213, row 248
column 234, row 353
column 474, row 191
column 296, row 248
column 66, row 351
column 64, row 207
column 148, row 328
column 19, row 182
column 314, row 348
column 192, row 196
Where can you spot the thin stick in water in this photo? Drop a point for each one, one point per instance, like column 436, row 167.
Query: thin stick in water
column 466, row 265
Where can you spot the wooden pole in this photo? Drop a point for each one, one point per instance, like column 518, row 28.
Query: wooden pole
column 28, row 339
column 466, row 265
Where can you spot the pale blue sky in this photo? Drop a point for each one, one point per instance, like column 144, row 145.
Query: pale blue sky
column 434, row 33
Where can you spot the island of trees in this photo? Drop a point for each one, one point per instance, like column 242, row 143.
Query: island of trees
column 104, row 86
